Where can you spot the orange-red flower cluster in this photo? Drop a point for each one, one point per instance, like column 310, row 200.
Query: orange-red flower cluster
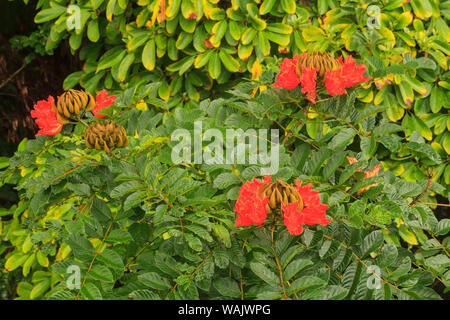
column 367, row 174
column 46, row 117
column 335, row 80
column 102, row 101
column 288, row 78
column 251, row 207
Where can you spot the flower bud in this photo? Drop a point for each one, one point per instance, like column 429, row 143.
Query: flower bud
column 323, row 61
column 105, row 136
column 71, row 103
column 279, row 193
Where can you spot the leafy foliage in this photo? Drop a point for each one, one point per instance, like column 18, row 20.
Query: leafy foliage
column 142, row 227
column 139, row 226
column 197, row 49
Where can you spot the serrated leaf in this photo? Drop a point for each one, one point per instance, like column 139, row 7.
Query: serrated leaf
column 227, row 287
column 265, row 273
column 372, row 242
column 154, row 280
column 295, row 267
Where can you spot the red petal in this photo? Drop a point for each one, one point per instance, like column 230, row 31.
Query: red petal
column 334, row 83
column 46, row 118
column 313, row 211
column 103, row 101
column 293, row 219
column 308, row 82
column 287, row 77
column 250, row 205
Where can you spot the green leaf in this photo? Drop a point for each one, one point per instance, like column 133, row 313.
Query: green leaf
column 214, row 66
column 144, row 294
column 149, row 55
column 437, row 99
column 92, row 31
column 372, row 242
column 75, row 40
column 137, row 40
column 199, row 231
column 295, row 267
column 72, row 80
column 154, row 281
column 388, row 255
column 424, row 150
column 124, row 66
column 80, row 189
column 300, row 156
column 100, row 210
column 443, row 227
column 119, row 235
column 350, row 170
column 229, row 62
column 224, row 180
column 316, row 161
column 222, row 232
column 402, row 269
column 91, row 292
column 15, row 261
column 368, row 146
column 193, row 242
column 50, row 13
column 111, row 58
column 125, row 188
column 351, row 276
column 82, row 248
column 423, row 293
column 111, row 258
column 342, row 139
column 357, row 208
column 101, row 273
column 333, row 164
column 334, row 292
column 39, row 289
column 227, row 287
column 265, row 273
column 304, row 283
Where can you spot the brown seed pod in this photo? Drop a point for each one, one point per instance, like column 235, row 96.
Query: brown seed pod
column 279, row 193
column 323, row 61
column 71, row 103
column 105, row 136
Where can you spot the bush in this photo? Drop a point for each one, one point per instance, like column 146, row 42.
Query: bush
column 141, row 227
column 196, row 47
column 130, row 222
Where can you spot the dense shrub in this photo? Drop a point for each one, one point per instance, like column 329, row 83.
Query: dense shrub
column 199, row 45
column 140, row 225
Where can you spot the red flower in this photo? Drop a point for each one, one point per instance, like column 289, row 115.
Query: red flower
column 250, row 205
column 367, row 174
column 351, row 73
column 352, row 160
column 287, row 78
column 333, row 82
column 308, row 82
column 103, row 101
column 348, row 75
column 313, row 212
column 335, row 74
column 46, row 117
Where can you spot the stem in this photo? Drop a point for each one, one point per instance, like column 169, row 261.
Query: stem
column 278, row 263
column 83, row 122
column 13, row 75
